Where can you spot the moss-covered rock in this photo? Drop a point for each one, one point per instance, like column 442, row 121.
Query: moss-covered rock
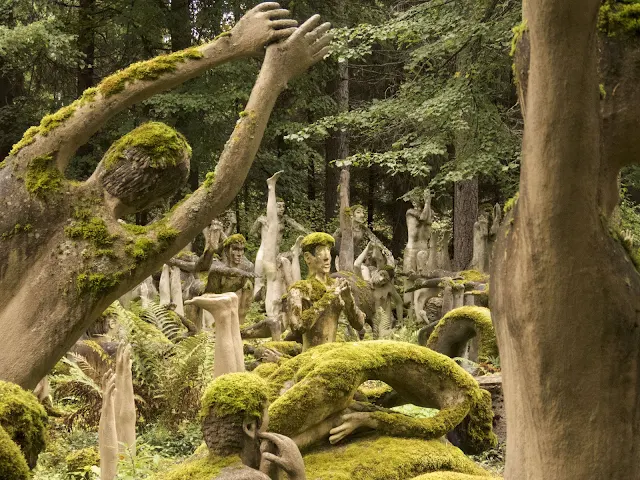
column 235, row 393
column 23, row 419
column 386, row 458
column 453, row 476
column 13, row 466
column 79, row 461
column 201, row 466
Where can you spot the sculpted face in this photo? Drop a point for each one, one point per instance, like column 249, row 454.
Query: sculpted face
column 321, row 261
column 280, row 206
column 359, row 215
column 236, row 252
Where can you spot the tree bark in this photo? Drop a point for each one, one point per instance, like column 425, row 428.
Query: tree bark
column 86, row 44
column 570, row 353
column 465, row 213
column 346, row 224
column 337, row 146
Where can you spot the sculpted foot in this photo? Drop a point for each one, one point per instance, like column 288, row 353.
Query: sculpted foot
column 215, row 303
column 271, row 182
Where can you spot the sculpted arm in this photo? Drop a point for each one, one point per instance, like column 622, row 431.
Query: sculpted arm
column 297, row 226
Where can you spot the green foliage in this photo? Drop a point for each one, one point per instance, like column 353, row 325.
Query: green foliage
column 12, row 463
column 619, row 17
column 79, row 463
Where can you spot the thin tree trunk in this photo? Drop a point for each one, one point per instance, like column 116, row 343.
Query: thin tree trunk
column 465, row 214
column 346, row 224
column 371, row 190
column 86, row 44
column 337, row 146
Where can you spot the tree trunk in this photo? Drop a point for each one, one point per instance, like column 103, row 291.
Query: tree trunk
column 465, row 213
column 337, row 146
column 570, row 351
column 86, row 44
column 346, row 224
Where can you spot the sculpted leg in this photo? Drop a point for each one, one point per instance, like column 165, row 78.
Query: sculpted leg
column 165, row 285
column 176, row 290
column 125, row 407
column 108, row 438
column 229, row 356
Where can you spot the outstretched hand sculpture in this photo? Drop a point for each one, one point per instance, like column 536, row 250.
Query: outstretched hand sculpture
column 62, row 239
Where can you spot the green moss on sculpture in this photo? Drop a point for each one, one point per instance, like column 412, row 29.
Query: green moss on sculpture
column 135, row 229
column 336, row 370
column 42, row 178
column 474, row 276
column 317, row 239
column 78, row 460
column 209, row 179
column 13, row 466
column 235, row 393
column 619, row 17
column 162, row 146
column 518, row 32
column 481, row 319
column 165, row 234
column 97, row 284
column 91, row 229
column 374, row 390
column 17, row 229
column 141, row 248
column 310, row 315
column 454, row 476
column 146, row 71
column 265, row 370
column 387, row 458
column 23, row 419
column 3, row 164
column 511, row 203
column 287, row 348
column 237, row 238
column 203, row 467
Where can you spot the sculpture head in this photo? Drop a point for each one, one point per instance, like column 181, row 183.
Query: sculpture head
column 280, row 205
column 230, row 217
column 416, row 198
column 359, row 214
column 147, row 165
column 234, row 248
column 316, row 248
column 234, row 412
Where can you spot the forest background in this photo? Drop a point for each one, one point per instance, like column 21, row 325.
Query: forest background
column 415, row 94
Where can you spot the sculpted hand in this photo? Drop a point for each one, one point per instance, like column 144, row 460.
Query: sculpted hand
column 307, row 46
column 271, row 356
column 288, row 457
column 264, row 24
column 351, row 421
column 297, row 247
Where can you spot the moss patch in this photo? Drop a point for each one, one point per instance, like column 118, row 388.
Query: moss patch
column 204, row 467
column 42, row 178
column 23, row 419
column 13, row 466
column 97, row 284
column 162, row 145
column 453, row 476
column 237, row 238
column 235, row 393
column 209, row 179
column 481, row 318
column 474, row 276
column 146, row 71
column 511, row 203
column 90, row 228
column 619, row 17
column 17, row 229
column 79, row 460
column 317, row 239
column 385, row 458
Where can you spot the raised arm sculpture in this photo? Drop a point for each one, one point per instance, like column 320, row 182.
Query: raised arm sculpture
column 63, row 250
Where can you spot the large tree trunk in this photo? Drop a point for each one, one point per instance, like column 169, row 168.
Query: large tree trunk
column 465, row 213
column 565, row 295
column 86, row 44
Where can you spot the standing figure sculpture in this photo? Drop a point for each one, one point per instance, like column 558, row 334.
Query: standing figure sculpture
column 261, row 226
column 419, row 220
column 313, row 306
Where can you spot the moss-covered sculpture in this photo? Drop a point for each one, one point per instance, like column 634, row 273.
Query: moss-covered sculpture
column 460, row 326
column 23, row 419
column 387, row 458
column 13, row 466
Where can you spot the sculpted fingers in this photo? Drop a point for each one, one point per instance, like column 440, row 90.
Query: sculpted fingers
column 278, row 440
column 307, row 26
column 318, row 32
column 280, row 13
column 270, row 457
column 281, row 24
column 266, row 6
